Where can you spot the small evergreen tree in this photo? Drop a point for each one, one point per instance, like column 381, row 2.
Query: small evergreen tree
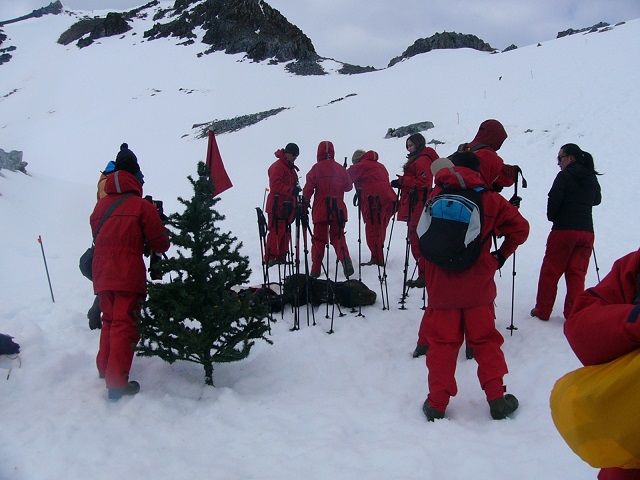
column 196, row 316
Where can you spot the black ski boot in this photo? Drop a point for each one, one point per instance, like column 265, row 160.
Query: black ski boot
column 501, row 408
column 431, row 413
column 118, row 393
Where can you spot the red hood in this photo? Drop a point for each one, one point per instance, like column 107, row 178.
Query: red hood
column 370, row 156
column 491, row 133
column 122, row 182
column 283, row 158
column 325, row 150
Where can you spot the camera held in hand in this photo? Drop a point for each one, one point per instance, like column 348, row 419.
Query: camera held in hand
column 154, row 257
column 159, row 207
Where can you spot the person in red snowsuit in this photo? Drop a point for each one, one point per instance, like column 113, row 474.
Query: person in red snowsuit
column 327, row 182
column 281, row 203
column 605, row 325
column 495, row 173
column 461, row 303
column 119, row 275
column 574, row 193
column 376, row 203
column 415, row 184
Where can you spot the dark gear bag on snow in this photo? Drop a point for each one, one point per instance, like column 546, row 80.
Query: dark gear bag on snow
column 354, row 293
column 8, row 346
column 86, row 259
column 450, row 227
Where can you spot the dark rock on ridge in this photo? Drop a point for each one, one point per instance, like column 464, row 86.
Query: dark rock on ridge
column 571, row 31
column 440, row 41
column 234, row 124
column 54, row 8
column 237, row 26
column 409, row 129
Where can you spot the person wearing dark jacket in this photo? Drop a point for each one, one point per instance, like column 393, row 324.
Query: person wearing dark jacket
column 371, row 179
column 461, row 303
column 415, row 184
column 327, row 182
column 574, row 193
column 119, row 274
column 605, row 325
column 281, row 203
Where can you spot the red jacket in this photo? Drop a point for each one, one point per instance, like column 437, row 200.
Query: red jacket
column 604, row 323
column 490, row 137
column 283, row 178
column 416, row 176
column 475, row 286
column 117, row 260
column 327, row 178
column 372, row 178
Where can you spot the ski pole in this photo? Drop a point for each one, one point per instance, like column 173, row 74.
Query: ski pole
column 511, row 327
column 262, row 232
column 359, row 201
column 46, row 268
column 596, row 262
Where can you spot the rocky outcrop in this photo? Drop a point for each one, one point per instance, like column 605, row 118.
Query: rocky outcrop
column 237, row 26
column 571, row 31
column 54, row 8
column 400, row 132
column 444, row 40
column 234, row 124
column 87, row 30
column 5, row 56
column 12, row 161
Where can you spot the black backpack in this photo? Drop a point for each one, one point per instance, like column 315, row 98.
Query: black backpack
column 450, row 227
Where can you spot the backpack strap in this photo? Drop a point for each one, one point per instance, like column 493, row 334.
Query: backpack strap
column 109, row 211
column 480, row 146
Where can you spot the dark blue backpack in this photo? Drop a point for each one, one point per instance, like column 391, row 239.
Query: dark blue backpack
column 450, row 227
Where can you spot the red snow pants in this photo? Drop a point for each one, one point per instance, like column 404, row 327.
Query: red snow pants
column 568, row 252
column 376, row 232
column 118, row 337
column 278, row 240
column 445, row 331
column 324, row 232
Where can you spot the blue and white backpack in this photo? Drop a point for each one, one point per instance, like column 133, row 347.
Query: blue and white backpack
column 449, row 229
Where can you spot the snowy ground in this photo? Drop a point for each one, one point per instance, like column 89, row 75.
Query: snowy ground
column 312, row 405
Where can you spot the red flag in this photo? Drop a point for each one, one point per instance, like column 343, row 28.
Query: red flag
column 221, row 181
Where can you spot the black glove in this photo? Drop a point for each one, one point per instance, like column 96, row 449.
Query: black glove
column 296, row 190
column 396, row 183
column 515, row 200
column 500, row 258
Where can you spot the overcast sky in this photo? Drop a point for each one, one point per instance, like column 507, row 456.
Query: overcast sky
column 371, row 32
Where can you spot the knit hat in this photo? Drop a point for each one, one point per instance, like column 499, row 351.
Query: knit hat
column 292, row 148
column 357, row 155
column 126, row 160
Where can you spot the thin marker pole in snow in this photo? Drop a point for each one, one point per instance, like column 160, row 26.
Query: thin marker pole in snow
column 46, row 268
